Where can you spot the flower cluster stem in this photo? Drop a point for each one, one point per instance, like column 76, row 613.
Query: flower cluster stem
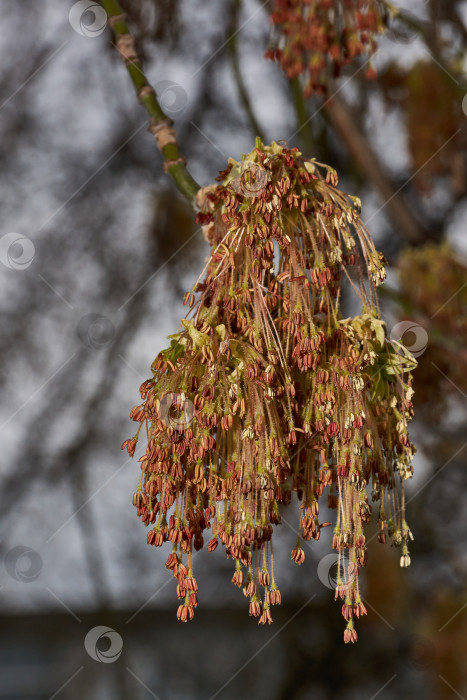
column 303, row 118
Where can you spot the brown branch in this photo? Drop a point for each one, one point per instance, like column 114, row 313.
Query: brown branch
column 232, row 31
column 344, row 123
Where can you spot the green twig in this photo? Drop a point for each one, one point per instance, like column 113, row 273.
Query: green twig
column 161, row 126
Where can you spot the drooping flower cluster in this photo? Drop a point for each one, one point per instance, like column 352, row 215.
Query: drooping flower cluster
column 318, row 38
column 267, row 390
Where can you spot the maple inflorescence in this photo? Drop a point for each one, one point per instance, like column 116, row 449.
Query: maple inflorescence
column 268, row 398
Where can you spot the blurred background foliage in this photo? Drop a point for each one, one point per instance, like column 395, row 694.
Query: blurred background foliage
column 115, row 249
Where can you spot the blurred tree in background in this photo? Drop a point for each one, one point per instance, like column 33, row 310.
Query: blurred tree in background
column 93, row 281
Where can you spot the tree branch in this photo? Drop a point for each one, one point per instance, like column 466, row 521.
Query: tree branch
column 241, row 87
column 342, row 120
column 301, row 112
column 426, row 31
column 161, row 126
